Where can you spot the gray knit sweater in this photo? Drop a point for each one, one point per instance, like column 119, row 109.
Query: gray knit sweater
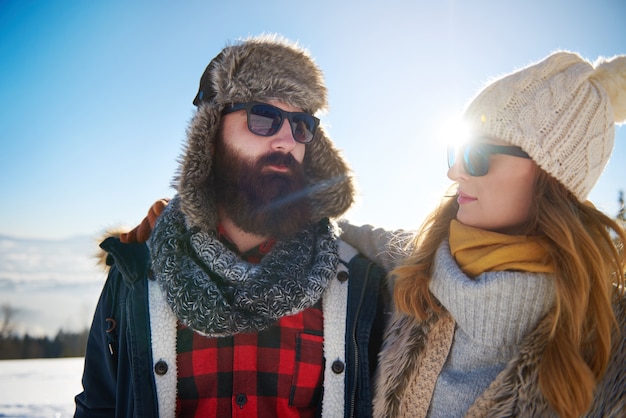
column 493, row 312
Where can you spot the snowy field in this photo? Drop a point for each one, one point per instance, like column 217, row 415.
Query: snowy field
column 39, row 387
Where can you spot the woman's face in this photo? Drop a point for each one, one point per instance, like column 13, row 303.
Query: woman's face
column 500, row 200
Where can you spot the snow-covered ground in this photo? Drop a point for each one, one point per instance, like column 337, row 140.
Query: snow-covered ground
column 40, row 387
column 48, row 285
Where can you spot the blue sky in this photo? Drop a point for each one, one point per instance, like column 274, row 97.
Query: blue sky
column 96, row 95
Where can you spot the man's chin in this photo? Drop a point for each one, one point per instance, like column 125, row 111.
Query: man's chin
column 281, row 218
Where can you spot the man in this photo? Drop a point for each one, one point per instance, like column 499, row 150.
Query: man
column 242, row 301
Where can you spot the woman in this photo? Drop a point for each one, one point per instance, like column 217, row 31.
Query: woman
column 511, row 299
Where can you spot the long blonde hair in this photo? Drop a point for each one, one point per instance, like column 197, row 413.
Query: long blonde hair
column 589, row 270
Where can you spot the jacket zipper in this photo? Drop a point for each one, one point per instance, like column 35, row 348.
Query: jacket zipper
column 354, row 342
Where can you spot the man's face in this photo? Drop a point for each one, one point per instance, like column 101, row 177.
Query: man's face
column 259, row 181
column 237, row 136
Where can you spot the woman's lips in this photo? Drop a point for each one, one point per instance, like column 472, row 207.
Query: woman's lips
column 464, row 198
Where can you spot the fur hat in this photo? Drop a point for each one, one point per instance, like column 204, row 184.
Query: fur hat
column 259, row 69
column 561, row 111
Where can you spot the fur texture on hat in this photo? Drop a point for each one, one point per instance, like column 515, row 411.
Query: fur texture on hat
column 259, row 69
column 562, row 111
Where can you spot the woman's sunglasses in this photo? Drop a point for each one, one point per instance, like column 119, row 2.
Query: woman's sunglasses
column 265, row 120
column 476, row 156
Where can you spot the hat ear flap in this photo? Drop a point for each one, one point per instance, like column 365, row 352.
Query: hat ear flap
column 194, row 179
column 332, row 191
column 207, row 91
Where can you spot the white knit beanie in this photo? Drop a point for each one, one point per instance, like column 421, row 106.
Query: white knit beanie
column 562, row 111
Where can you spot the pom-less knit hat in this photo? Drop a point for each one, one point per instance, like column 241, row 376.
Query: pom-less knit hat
column 561, row 111
column 260, row 69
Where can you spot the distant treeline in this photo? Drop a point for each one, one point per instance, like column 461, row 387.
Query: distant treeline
column 64, row 344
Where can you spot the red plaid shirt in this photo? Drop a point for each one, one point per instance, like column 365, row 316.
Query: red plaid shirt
column 273, row 373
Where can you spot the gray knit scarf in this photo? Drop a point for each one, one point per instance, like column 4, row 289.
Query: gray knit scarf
column 214, row 292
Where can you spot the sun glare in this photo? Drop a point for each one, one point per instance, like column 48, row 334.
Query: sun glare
column 454, row 132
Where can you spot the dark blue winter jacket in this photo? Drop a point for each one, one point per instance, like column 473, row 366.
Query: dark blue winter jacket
column 120, row 374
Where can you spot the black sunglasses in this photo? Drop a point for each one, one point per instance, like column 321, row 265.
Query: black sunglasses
column 265, row 120
column 476, row 156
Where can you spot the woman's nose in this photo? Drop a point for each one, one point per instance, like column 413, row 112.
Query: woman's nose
column 457, row 172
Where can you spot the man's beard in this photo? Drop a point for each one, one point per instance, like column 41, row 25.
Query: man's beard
column 263, row 203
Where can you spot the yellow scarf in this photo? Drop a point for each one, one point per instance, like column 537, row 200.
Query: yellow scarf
column 477, row 251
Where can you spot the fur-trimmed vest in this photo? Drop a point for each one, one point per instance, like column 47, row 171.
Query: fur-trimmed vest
column 415, row 351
